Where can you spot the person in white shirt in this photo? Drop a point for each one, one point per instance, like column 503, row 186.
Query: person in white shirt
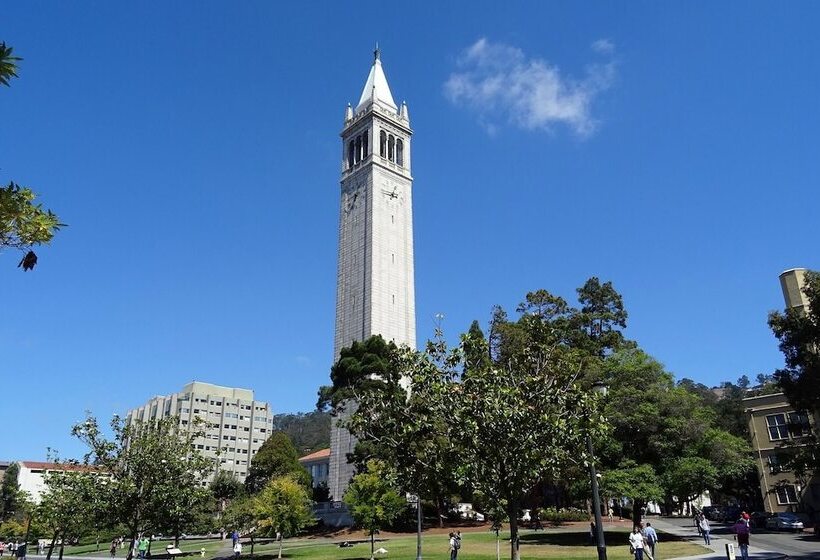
column 636, row 542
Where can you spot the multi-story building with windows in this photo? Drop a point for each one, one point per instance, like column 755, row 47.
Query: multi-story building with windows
column 776, row 428
column 234, row 425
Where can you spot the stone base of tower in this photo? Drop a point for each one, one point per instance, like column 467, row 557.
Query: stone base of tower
column 341, row 443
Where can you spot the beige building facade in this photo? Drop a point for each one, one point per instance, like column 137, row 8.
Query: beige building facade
column 235, row 424
column 774, row 426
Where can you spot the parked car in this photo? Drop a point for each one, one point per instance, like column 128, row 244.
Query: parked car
column 784, row 521
column 758, row 519
column 711, row 512
column 730, row 514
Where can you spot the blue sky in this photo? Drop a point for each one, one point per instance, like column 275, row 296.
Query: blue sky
column 193, row 149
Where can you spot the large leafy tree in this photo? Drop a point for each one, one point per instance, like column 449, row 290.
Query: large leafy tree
column 407, row 428
column 23, row 222
column 277, row 457
column 154, row 468
column 224, row 489
column 374, row 500
column 73, row 503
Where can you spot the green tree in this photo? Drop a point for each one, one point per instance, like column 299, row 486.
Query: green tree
column 10, row 492
column 283, row 506
column 407, row 428
column 689, row 477
column 154, row 468
column 23, row 223
column 8, row 64
column 277, row 457
column 374, row 500
column 639, row 483
column 225, row 488
column 72, row 505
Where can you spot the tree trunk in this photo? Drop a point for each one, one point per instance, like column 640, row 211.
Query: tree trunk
column 176, row 540
column 372, row 545
column 438, row 513
column 514, row 544
column 62, row 546
column 252, row 543
column 637, row 505
column 51, row 548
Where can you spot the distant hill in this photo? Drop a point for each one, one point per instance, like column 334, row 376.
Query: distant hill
column 309, row 431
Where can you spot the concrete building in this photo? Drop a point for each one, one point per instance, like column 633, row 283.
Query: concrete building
column 792, row 282
column 234, row 422
column 773, row 423
column 776, row 428
column 31, row 477
column 375, row 285
column 318, row 465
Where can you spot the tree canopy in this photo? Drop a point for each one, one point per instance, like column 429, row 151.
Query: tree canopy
column 277, row 457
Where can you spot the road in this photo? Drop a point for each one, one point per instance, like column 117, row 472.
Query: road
column 797, row 546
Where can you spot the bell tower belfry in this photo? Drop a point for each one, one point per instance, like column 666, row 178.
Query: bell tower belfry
column 374, row 287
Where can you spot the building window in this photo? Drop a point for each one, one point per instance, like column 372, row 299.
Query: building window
column 400, row 152
column 351, row 153
column 391, row 145
column 382, row 144
column 778, row 428
column 364, row 144
column 786, row 494
column 358, row 155
column 774, row 464
column 799, row 425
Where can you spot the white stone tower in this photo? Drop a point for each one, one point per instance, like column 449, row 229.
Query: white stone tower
column 375, row 288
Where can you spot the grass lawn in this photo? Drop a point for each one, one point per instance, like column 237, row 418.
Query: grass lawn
column 553, row 544
column 157, row 547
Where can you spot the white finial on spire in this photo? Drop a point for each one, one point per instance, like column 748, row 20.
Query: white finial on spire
column 348, row 113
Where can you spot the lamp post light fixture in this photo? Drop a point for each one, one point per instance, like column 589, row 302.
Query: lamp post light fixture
column 600, row 389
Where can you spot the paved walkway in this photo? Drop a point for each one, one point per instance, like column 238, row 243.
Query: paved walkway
column 718, row 545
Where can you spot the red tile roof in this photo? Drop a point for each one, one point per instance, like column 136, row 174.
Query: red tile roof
column 316, row 455
column 57, row 466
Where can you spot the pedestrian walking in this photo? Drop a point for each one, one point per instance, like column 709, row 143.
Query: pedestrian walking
column 742, row 532
column 113, row 548
column 636, row 543
column 591, row 532
column 458, row 544
column 142, row 548
column 651, row 538
column 20, row 550
column 705, row 529
column 452, row 545
column 237, row 549
column 2, row 548
column 41, row 545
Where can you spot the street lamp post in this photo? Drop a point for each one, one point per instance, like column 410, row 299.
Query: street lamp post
column 601, row 389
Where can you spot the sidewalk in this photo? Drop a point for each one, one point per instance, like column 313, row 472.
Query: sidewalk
column 718, row 544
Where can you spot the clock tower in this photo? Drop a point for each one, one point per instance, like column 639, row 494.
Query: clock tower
column 375, row 288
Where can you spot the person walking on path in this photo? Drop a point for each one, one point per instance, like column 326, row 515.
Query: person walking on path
column 142, row 547
column 741, row 531
column 20, row 551
column 237, row 549
column 636, row 543
column 651, row 538
column 114, row 546
column 705, row 529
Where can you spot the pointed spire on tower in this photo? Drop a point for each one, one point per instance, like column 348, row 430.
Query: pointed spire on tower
column 376, row 88
column 404, row 113
column 348, row 113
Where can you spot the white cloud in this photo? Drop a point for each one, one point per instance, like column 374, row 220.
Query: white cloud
column 500, row 83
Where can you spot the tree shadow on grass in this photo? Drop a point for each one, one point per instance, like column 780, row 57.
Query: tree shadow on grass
column 582, row 538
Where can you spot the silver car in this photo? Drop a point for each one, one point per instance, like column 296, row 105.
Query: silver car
column 784, row 521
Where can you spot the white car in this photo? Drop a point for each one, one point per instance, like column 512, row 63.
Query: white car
column 784, row 521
